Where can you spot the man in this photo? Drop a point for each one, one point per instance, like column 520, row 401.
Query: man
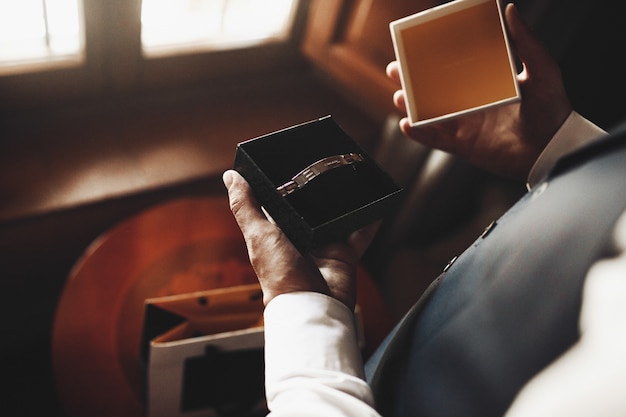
column 525, row 322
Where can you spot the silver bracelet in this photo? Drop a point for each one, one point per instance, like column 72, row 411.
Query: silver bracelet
column 317, row 168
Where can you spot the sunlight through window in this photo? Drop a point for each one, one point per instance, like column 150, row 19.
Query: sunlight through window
column 172, row 26
column 36, row 32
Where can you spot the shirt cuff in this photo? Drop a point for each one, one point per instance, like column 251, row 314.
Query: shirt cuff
column 309, row 331
column 574, row 133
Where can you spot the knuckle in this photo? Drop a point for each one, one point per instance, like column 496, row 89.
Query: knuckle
column 236, row 202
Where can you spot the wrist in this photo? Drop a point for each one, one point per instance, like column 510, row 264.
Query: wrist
column 273, row 290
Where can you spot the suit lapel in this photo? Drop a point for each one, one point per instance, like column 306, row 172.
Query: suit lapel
column 580, row 155
column 386, row 363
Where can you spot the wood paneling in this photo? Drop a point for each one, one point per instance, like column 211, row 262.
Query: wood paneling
column 80, row 154
column 349, row 41
column 69, row 174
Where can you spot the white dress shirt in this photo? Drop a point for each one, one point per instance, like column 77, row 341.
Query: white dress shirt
column 314, row 366
column 575, row 132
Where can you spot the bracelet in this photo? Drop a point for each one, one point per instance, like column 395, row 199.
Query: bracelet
column 317, row 168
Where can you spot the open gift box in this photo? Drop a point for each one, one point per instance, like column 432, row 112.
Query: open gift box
column 316, row 182
column 454, row 59
column 203, row 353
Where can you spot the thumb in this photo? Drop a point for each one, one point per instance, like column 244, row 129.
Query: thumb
column 527, row 46
column 243, row 204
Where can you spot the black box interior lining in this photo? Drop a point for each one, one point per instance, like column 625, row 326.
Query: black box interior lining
column 333, row 203
column 341, row 190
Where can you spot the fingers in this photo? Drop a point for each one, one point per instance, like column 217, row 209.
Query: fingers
column 407, row 129
column 393, row 71
column 399, row 100
column 361, row 239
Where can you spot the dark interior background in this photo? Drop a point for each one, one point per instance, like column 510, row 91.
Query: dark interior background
column 52, row 147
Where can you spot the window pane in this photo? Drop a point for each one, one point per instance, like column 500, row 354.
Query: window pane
column 39, row 31
column 170, row 26
column 63, row 18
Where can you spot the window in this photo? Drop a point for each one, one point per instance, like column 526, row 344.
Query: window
column 190, row 25
column 54, row 50
column 36, row 33
column 50, row 31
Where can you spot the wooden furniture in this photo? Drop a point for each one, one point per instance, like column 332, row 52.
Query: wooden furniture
column 350, row 42
column 177, row 247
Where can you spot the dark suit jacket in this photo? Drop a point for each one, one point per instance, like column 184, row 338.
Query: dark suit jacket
column 509, row 305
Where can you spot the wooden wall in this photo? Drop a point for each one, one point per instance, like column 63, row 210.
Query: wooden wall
column 70, row 173
column 350, row 42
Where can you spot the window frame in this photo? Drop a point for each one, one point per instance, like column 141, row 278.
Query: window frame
column 115, row 64
column 345, row 39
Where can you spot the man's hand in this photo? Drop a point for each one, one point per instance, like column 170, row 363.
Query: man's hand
column 279, row 266
column 505, row 140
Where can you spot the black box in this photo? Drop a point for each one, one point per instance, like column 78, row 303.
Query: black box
column 333, row 203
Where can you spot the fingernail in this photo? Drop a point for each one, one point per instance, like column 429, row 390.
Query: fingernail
column 227, row 178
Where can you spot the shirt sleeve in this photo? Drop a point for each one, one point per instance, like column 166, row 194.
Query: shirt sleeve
column 589, row 378
column 313, row 365
column 575, row 132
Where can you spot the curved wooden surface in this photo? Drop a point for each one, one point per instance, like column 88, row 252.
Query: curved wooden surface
column 178, row 247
